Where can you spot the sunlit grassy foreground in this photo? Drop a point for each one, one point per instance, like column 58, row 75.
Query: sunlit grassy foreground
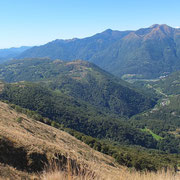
column 123, row 175
column 95, row 173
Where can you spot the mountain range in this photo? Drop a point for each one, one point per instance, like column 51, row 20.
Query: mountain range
column 136, row 123
column 10, row 53
column 146, row 53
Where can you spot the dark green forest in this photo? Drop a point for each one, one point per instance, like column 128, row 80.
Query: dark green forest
column 81, row 80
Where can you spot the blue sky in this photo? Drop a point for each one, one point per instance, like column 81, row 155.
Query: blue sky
column 35, row 22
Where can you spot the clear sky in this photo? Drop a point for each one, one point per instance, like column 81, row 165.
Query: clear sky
column 35, row 22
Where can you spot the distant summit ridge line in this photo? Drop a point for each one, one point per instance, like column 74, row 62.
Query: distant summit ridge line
column 145, row 53
column 9, row 53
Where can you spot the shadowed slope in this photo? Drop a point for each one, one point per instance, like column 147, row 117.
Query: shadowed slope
column 27, row 145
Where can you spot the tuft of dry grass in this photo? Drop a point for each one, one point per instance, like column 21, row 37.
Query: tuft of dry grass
column 55, row 172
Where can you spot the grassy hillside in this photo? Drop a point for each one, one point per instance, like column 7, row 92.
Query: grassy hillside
column 28, row 145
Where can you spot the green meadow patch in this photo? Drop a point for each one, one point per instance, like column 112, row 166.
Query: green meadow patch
column 155, row 136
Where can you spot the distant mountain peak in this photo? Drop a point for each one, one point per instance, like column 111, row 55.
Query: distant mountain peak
column 157, row 31
column 147, row 52
column 160, row 26
column 64, row 40
column 163, row 27
column 71, row 40
column 154, row 26
column 108, row 31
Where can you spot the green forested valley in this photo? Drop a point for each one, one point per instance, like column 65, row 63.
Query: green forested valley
column 105, row 112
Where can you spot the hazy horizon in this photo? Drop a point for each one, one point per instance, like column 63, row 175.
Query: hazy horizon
column 69, row 38
column 34, row 22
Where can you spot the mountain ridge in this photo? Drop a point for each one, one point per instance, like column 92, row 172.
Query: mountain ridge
column 80, row 79
column 146, row 53
column 10, row 53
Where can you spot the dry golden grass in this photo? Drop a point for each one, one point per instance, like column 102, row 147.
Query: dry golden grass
column 161, row 175
column 10, row 173
column 54, row 172
column 37, row 137
column 123, row 174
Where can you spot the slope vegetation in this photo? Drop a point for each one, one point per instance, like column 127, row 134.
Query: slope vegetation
column 27, row 146
column 74, row 114
column 81, row 80
column 169, row 85
column 164, row 118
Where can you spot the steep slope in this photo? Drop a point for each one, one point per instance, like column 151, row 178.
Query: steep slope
column 27, row 146
column 74, row 114
column 75, row 48
column 81, row 80
column 145, row 53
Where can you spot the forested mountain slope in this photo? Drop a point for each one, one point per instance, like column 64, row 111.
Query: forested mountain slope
column 74, row 114
column 164, row 118
column 145, row 53
column 169, row 85
column 81, row 80
column 83, row 97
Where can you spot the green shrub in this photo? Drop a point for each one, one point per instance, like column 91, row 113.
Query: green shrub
column 19, row 119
